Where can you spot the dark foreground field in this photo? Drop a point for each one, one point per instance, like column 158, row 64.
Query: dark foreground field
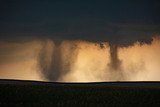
column 42, row 94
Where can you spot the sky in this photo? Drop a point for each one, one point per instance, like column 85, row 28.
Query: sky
column 50, row 39
column 79, row 19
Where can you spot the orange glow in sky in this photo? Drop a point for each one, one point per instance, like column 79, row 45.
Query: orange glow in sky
column 90, row 62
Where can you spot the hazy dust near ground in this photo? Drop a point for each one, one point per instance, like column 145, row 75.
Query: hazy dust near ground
column 79, row 61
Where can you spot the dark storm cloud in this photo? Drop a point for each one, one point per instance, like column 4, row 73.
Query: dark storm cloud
column 97, row 21
column 92, row 30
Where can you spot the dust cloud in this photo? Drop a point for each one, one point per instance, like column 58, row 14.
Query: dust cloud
column 80, row 61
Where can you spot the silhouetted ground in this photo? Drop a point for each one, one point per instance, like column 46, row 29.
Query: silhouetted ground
column 45, row 94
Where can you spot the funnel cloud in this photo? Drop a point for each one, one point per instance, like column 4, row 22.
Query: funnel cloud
column 50, row 70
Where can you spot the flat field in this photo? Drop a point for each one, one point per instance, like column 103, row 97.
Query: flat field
column 52, row 94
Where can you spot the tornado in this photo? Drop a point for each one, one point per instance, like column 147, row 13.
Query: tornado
column 50, row 70
column 116, row 71
column 56, row 63
column 114, row 61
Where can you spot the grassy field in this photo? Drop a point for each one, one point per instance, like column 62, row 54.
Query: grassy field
column 44, row 94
